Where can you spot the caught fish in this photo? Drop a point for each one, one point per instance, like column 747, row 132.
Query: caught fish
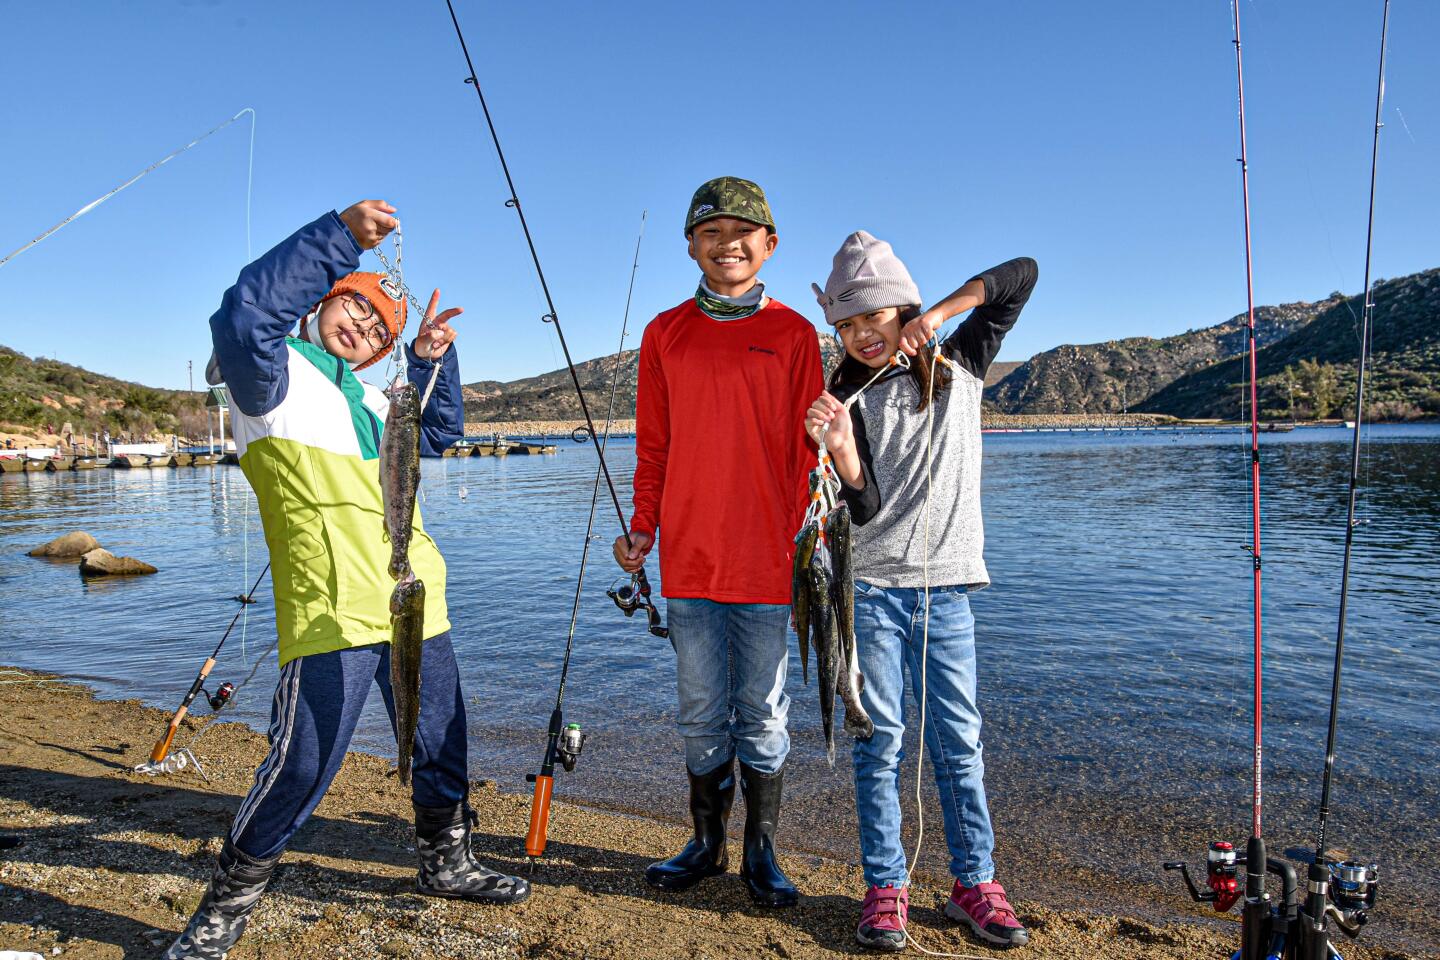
column 399, row 482
column 826, row 636
column 800, row 592
column 407, row 623
column 837, row 538
column 400, row 472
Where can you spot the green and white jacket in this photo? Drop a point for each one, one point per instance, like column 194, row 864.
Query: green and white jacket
column 307, row 432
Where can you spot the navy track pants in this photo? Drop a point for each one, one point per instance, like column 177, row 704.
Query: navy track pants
column 317, row 705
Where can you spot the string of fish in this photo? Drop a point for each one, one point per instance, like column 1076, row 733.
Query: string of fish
column 822, row 591
column 399, row 487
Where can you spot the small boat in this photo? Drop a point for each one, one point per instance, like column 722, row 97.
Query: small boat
column 57, row 464
column 12, row 465
column 1276, row 427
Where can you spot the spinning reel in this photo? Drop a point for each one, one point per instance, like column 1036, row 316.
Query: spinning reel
column 1290, row 928
column 634, row 594
column 220, row 697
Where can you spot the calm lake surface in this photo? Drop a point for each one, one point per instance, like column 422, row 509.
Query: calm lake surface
column 1114, row 647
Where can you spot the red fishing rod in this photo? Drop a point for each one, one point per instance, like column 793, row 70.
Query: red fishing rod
column 1222, row 863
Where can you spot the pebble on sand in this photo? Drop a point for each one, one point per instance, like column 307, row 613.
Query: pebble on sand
column 102, row 563
column 68, row 546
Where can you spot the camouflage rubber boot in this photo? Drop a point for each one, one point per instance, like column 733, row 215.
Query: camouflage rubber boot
column 225, row 909
column 759, row 868
column 711, row 795
column 448, row 868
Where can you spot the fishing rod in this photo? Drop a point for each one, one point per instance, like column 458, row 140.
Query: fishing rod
column 157, row 164
column 565, row 741
column 1222, row 863
column 638, row 593
column 160, row 753
column 1346, row 891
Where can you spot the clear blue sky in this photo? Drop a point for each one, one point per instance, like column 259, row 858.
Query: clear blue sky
column 1099, row 139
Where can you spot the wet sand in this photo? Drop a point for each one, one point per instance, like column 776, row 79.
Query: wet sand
column 112, row 862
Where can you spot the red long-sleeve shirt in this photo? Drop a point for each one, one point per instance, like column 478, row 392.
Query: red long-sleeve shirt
column 722, row 457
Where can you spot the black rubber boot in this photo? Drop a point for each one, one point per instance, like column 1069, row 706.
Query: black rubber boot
column 448, row 868
column 704, row 856
column 769, row 886
column 225, row 909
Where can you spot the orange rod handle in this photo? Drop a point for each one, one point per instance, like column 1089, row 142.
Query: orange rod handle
column 539, row 816
column 162, row 746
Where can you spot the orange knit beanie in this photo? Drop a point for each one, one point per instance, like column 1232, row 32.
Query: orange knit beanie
column 383, row 294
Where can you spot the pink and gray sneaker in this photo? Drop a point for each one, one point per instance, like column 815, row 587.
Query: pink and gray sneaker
column 985, row 907
column 883, row 917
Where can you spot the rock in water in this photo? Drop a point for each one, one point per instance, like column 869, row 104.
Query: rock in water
column 74, row 544
column 102, row 563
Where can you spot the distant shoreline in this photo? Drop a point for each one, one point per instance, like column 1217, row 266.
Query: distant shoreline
column 996, row 421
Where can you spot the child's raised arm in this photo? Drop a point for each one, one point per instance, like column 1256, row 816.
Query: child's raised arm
column 996, row 296
column 266, row 302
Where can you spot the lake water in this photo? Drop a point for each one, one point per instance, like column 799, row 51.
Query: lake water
column 1114, row 646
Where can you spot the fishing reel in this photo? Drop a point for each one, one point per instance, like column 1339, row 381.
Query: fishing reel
column 1353, row 889
column 634, row 594
column 221, row 696
column 1222, row 876
column 569, row 746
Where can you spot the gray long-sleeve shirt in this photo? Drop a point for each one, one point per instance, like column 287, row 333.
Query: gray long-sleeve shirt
column 890, row 436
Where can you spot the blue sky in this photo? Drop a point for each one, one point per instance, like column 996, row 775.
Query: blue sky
column 1099, row 139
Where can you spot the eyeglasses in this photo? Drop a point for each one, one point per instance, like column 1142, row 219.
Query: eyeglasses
column 359, row 309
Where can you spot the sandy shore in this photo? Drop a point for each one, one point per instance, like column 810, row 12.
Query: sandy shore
column 111, row 863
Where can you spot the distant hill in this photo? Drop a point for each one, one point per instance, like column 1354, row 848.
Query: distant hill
column 551, row 396
column 1311, row 372
column 1119, row 374
column 38, row 392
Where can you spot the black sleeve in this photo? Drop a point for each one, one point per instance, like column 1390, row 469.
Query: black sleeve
column 864, row 504
column 1007, row 287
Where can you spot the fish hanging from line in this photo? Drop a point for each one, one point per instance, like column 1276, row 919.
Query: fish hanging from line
column 822, row 601
column 399, row 484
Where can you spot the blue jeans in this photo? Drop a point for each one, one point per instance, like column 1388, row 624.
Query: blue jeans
column 317, row 705
column 730, row 661
column 889, row 630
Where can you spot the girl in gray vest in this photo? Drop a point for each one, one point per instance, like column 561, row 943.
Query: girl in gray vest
column 879, row 448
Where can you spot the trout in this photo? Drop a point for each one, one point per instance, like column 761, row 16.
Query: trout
column 827, row 646
column 800, row 592
column 400, row 472
column 837, row 537
column 399, row 484
column 407, row 623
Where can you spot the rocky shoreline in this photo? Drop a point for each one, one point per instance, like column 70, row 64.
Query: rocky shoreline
column 1054, row 421
column 110, row 863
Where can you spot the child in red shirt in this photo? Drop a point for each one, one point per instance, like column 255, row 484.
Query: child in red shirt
column 725, row 379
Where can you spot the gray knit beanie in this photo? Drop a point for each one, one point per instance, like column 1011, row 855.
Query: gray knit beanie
column 866, row 276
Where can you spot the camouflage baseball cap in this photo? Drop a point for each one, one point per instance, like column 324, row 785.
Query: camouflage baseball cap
column 729, row 197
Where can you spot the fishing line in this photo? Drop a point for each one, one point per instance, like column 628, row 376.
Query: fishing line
column 553, row 316
column 158, row 163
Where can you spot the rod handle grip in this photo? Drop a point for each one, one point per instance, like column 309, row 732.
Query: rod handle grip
column 162, row 746
column 539, row 816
